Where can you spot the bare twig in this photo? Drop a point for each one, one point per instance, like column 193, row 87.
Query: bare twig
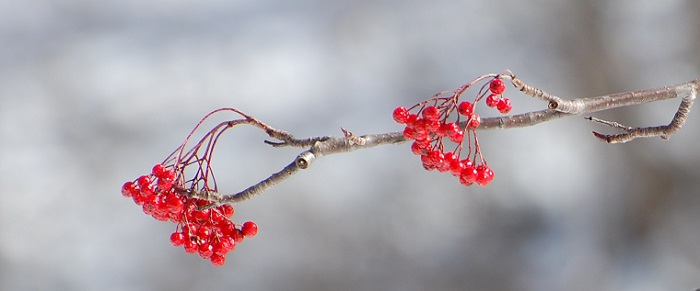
column 557, row 108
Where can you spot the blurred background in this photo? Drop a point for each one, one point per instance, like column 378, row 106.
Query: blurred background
column 93, row 94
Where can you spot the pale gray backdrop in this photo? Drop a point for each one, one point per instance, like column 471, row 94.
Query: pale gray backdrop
column 93, row 93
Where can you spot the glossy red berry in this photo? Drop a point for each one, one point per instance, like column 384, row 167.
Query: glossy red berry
column 174, row 203
column 409, row 133
column 504, row 106
column 497, row 86
column 177, row 238
column 159, row 171
column 144, row 182
column 474, row 121
column 227, row 210
column 129, row 189
column 465, row 108
column 484, row 175
column 492, row 100
column 249, row 229
column 401, row 115
column 431, row 113
column 191, row 246
column 217, row 260
column 468, row 175
column 206, row 250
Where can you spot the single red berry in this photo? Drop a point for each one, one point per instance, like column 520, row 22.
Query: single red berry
column 412, row 118
column 217, row 260
column 204, row 231
column 177, row 238
column 206, row 250
column 227, row 210
column 497, row 86
column 229, row 243
column 468, row 175
column 474, row 121
column 484, row 175
column 191, row 246
column 227, row 227
column 174, row 203
column 504, row 105
column 238, row 236
column 250, row 229
column 492, row 100
column 427, row 162
column 431, row 113
column 129, row 189
column 418, row 149
column 436, row 157
column 457, row 135
column 144, row 182
column 401, row 115
column 409, row 133
column 158, row 171
column 220, row 248
column 456, row 167
column 465, row 108
column 164, row 185
column 200, row 215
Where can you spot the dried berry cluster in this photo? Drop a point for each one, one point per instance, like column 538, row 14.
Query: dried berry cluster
column 208, row 232
column 431, row 124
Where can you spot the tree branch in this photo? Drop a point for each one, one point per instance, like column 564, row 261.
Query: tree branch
column 557, row 108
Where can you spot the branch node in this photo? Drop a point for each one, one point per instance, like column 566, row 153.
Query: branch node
column 305, row 159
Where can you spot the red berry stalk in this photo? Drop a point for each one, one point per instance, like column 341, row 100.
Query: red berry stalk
column 435, row 120
column 167, row 195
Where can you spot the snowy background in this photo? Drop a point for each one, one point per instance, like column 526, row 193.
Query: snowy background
column 94, row 93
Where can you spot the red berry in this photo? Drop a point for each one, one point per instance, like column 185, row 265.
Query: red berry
column 431, row 113
column 177, row 238
column 456, row 136
column 484, row 175
column 456, row 167
column 401, row 115
column 427, row 163
column 144, row 182
column 250, row 229
column 474, row 121
column 129, row 189
column 237, row 236
column 206, row 250
column 497, row 86
column 227, row 210
column 225, row 245
column 191, row 246
column 465, row 108
column 158, row 171
column 468, row 175
column 412, row 118
column 492, row 100
column 200, row 215
column 227, row 228
column 504, row 105
column 229, row 243
column 204, row 231
column 217, row 260
column 420, row 147
column 409, row 133
column 174, row 203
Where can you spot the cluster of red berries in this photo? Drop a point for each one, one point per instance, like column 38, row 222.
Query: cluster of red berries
column 208, row 232
column 430, row 125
